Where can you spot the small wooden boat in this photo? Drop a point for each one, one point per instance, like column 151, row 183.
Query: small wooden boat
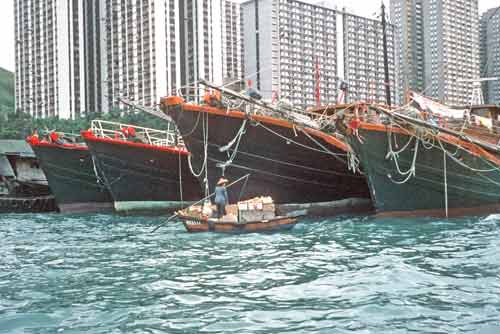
column 200, row 224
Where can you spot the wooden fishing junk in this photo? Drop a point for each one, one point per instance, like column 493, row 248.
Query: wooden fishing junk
column 71, row 174
column 288, row 158
column 426, row 159
column 146, row 170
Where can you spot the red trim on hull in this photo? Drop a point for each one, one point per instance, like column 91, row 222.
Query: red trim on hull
column 63, row 146
column 268, row 120
column 88, row 135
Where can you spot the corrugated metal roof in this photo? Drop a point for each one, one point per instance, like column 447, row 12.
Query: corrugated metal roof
column 16, row 147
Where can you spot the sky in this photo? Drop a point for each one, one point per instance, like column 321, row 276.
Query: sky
column 361, row 7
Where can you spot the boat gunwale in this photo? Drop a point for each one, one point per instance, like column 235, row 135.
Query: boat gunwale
column 237, row 227
column 472, row 148
column 88, row 135
column 268, row 120
column 66, row 146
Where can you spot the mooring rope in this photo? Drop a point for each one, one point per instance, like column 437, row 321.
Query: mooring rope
column 445, row 185
column 205, row 144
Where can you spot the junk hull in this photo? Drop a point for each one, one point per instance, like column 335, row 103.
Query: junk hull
column 70, row 173
column 143, row 178
column 283, row 161
column 465, row 181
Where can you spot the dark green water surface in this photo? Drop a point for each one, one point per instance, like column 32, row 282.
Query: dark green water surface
column 106, row 274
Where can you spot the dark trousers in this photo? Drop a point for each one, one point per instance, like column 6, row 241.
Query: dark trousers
column 221, row 210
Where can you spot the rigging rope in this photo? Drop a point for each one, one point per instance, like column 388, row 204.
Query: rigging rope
column 205, row 141
column 391, row 154
column 239, row 135
column 97, row 176
column 299, row 144
column 445, row 185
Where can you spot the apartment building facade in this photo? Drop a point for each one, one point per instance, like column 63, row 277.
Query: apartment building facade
column 490, row 54
column 78, row 56
column 301, row 52
column 232, row 42
column 137, row 50
column 363, row 59
column 287, row 43
column 49, row 58
column 438, row 47
column 407, row 18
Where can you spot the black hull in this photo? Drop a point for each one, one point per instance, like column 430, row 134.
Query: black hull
column 34, row 204
column 466, row 192
column 71, row 178
column 278, row 158
column 144, row 179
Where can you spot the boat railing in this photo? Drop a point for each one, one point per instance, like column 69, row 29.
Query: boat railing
column 127, row 132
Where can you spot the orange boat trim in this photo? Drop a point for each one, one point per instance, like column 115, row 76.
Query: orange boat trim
column 268, row 120
column 473, row 148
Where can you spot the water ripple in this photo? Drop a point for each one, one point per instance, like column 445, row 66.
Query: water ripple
column 106, row 274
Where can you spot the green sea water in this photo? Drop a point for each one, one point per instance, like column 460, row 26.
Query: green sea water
column 107, row 274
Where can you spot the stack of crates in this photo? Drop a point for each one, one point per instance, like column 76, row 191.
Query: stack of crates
column 258, row 209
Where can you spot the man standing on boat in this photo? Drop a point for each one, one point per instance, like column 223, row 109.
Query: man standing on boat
column 221, row 198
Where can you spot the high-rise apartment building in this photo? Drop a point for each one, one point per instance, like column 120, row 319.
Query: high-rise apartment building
column 84, row 55
column 49, row 57
column 232, row 41
column 163, row 47
column 407, row 17
column 363, row 59
column 138, row 48
column 94, row 57
column 286, row 44
column 451, row 32
column 445, row 35
column 490, row 54
column 301, row 51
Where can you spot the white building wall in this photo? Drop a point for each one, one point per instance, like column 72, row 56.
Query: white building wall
column 160, row 50
column 141, row 52
column 216, row 56
column 81, row 70
column 249, row 40
column 46, row 67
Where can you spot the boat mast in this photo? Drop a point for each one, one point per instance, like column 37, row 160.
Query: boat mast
column 386, row 58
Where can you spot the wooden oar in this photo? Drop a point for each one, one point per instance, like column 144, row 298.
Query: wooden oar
column 201, row 200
